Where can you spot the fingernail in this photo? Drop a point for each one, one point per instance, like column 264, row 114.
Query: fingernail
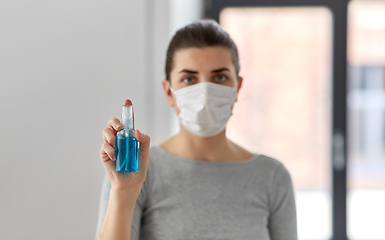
column 118, row 125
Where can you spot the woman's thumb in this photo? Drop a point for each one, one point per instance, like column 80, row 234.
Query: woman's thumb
column 144, row 140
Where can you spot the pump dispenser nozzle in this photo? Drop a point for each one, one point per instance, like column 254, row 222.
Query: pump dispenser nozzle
column 128, row 115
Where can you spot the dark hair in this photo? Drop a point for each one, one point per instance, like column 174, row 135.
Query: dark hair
column 200, row 34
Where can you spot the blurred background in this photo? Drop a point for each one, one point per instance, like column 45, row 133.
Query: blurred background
column 313, row 97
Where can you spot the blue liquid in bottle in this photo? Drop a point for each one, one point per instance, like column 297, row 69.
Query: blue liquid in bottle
column 127, row 151
column 127, row 146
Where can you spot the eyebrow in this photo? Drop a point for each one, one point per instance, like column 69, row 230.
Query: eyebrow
column 188, row 71
column 213, row 71
column 220, row 70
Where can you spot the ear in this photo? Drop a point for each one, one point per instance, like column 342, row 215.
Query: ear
column 240, row 79
column 167, row 91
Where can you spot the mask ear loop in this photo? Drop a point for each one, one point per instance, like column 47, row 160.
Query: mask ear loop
column 234, row 99
column 172, row 90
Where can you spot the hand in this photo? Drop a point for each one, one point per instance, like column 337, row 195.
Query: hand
column 128, row 180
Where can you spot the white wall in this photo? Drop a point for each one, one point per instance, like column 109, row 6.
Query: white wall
column 65, row 69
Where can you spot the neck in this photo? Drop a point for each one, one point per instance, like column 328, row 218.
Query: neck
column 216, row 148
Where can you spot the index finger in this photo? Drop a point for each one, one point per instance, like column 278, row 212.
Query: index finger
column 115, row 125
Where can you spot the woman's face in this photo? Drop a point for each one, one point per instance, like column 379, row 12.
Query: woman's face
column 197, row 65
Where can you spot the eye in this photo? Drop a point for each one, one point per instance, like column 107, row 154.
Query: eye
column 220, row 78
column 188, row 80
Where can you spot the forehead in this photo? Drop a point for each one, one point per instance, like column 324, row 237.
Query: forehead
column 203, row 59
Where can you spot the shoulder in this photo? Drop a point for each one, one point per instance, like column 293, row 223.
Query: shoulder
column 158, row 161
column 274, row 171
column 269, row 164
column 279, row 179
column 157, row 154
column 155, row 150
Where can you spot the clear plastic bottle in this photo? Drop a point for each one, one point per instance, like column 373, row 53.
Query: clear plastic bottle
column 127, row 146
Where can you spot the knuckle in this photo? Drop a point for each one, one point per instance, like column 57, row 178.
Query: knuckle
column 113, row 121
column 111, row 139
column 104, row 146
column 111, row 151
column 107, row 133
column 108, row 149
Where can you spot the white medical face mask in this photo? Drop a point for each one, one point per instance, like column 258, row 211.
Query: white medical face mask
column 205, row 108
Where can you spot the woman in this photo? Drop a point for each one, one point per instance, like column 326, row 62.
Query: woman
column 199, row 184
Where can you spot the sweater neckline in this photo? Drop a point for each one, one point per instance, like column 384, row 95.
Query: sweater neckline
column 241, row 162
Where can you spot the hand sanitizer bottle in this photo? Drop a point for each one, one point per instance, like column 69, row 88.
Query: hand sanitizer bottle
column 127, row 146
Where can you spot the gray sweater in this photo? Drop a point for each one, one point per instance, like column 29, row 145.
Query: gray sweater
column 192, row 199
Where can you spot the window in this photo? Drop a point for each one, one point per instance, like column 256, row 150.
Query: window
column 284, row 106
column 366, row 119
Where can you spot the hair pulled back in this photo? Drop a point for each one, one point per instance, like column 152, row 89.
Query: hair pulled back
column 200, row 34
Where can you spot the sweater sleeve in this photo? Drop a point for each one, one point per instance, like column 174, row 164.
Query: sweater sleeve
column 136, row 218
column 282, row 219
